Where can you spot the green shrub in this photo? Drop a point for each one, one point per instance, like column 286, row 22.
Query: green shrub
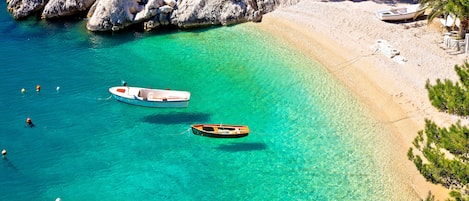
column 451, row 97
column 410, row 154
column 446, row 150
column 438, row 168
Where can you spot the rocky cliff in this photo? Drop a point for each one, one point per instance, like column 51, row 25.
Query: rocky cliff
column 114, row 15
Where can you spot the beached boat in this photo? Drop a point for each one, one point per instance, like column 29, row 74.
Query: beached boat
column 150, row 97
column 220, row 130
column 401, row 13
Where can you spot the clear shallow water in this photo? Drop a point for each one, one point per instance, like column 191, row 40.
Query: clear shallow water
column 310, row 138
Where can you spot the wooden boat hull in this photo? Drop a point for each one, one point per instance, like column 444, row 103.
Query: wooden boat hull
column 220, row 130
column 156, row 98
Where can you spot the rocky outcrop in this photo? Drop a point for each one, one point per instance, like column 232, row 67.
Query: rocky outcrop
column 202, row 13
column 106, row 15
column 158, row 16
column 64, row 8
column 198, row 13
column 24, row 8
column 114, row 15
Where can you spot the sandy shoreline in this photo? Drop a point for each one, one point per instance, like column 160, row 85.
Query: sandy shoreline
column 341, row 36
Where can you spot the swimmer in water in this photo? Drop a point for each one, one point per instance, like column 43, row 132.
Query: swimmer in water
column 29, row 123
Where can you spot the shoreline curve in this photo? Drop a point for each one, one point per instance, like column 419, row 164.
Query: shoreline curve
column 341, row 35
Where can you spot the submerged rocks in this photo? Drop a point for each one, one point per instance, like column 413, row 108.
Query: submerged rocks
column 114, row 15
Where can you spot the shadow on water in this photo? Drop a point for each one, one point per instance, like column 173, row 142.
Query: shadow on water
column 135, row 32
column 9, row 164
column 109, row 39
column 73, row 28
column 235, row 147
column 177, row 118
column 34, row 27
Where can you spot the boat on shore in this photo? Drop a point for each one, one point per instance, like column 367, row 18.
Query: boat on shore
column 220, row 130
column 150, row 97
column 399, row 14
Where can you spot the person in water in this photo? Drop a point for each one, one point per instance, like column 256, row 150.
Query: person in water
column 29, row 123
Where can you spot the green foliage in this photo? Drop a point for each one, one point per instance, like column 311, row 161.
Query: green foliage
column 458, row 8
column 438, row 167
column 410, row 154
column 418, row 163
column 437, row 8
column 463, row 73
column 456, row 195
column 418, row 140
column 455, row 139
column 451, row 97
column 446, row 150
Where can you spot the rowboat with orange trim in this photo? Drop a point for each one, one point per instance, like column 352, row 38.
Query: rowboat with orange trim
column 220, row 130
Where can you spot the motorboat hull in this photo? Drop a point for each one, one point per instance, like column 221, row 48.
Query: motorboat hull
column 156, row 98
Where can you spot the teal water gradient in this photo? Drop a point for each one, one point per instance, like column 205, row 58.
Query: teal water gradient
column 310, row 139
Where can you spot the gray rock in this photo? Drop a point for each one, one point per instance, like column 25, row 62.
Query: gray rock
column 149, row 10
column 165, row 9
column 182, row 13
column 171, row 3
column 196, row 13
column 114, row 15
column 24, row 8
column 61, row 8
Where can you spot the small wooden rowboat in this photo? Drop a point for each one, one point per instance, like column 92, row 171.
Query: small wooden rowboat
column 220, row 130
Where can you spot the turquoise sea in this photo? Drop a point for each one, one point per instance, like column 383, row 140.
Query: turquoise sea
column 310, row 138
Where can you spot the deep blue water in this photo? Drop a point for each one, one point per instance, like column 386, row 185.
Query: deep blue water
column 310, row 139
